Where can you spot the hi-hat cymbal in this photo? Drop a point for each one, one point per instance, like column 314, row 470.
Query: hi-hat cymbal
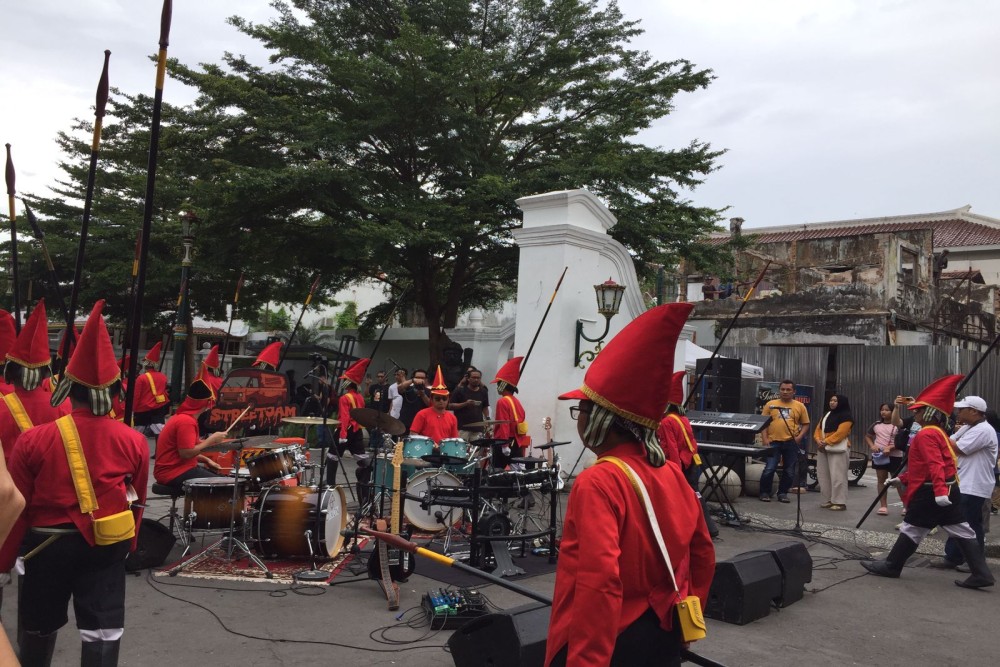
column 309, row 421
column 489, row 442
column 526, row 459
column 550, row 445
column 489, row 422
column 221, row 447
column 443, row 460
column 255, row 442
column 384, row 422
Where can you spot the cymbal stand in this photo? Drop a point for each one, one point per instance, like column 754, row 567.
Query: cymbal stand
column 228, row 542
column 314, row 573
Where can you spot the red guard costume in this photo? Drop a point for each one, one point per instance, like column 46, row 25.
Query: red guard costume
column 350, row 434
column 27, row 404
column 209, row 372
column 675, row 433
column 612, row 576
column 151, row 402
column 436, row 424
column 8, row 334
column 509, row 410
column 269, row 357
column 932, row 495
column 73, row 565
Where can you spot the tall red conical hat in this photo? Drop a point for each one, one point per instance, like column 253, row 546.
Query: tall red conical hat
column 8, row 334
column 439, row 388
column 939, row 394
column 212, row 358
column 676, row 394
column 356, row 372
column 643, row 349
column 31, row 349
column 509, row 372
column 153, row 356
column 270, row 354
column 93, row 362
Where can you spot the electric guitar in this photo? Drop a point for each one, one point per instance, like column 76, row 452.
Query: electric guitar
column 393, row 564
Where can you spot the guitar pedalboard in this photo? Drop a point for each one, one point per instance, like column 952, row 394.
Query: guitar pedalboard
column 447, row 610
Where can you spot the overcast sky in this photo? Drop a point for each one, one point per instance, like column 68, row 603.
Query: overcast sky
column 829, row 109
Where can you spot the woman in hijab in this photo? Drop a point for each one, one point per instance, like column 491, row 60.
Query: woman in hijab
column 834, row 453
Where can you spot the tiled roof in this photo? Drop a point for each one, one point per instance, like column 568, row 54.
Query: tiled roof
column 952, row 229
column 210, row 331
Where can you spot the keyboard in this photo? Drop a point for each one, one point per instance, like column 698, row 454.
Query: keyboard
column 730, row 421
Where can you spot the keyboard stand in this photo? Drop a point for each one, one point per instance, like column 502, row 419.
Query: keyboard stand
column 714, row 476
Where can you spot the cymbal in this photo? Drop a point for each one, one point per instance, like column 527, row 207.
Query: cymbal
column 309, row 421
column 256, row 442
column 526, row 459
column 221, row 447
column 443, row 460
column 416, row 463
column 549, row 445
column 489, row 422
column 489, row 442
column 370, row 418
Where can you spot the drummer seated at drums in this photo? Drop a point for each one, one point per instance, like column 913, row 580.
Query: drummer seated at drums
column 436, row 422
column 178, row 450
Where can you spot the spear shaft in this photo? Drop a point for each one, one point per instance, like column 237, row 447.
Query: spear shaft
column 524, row 362
column 13, row 240
column 284, row 350
column 53, row 276
column 232, row 316
column 147, row 215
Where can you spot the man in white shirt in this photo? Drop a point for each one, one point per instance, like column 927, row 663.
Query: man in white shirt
column 975, row 444
column 395, row 400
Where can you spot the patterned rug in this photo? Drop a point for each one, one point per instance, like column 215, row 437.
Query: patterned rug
column 214, row 564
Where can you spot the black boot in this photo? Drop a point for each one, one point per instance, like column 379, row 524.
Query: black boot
column 36, row 649
column 100, row 654
column 894, row 562
column 975, row 558
column 330, row 475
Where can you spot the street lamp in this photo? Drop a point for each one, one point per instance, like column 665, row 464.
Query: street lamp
column 188, row 221
column 609, row 300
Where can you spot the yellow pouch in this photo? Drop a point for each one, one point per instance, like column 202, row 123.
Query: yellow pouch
column 522, row 428
column 114, row 528
column 692, row 620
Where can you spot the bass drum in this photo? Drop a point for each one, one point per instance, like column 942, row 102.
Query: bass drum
column 283, row 514
column 425, row 519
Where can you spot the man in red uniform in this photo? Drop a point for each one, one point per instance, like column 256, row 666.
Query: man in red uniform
column 932, row 495
column 73, row 565
column 27, row 365
column 510, row 411
column 8, row 334
column 210, row 372
column 436, row 422
column 151, row 401
column 614, row 600
column 350, row 434
column 179, row 447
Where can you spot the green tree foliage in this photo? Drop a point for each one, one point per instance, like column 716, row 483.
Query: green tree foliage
column 274, row 320
column 348, row 317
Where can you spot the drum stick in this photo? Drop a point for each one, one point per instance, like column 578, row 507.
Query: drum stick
column 236, row 421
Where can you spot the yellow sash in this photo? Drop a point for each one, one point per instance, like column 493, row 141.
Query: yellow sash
column 694, row 452
column 522, row 426
column 159, row 398
column 77, row 464
column 18, row 412
column 951, row 450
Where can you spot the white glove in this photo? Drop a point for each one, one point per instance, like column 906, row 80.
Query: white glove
column 4, row 579
column 892, row 481
column 942, row 501
column 343, row 441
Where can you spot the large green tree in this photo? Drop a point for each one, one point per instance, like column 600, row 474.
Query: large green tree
column 390, row 139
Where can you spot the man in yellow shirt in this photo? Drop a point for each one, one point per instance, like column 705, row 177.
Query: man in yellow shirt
column 783, row 436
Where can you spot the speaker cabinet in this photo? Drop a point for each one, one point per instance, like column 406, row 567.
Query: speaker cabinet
column 730, row 368
column 796, row 564
column 512, row 638
column 152, row 548
column 743, row 588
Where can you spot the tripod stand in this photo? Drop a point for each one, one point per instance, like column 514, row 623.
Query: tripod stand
column 229, row 543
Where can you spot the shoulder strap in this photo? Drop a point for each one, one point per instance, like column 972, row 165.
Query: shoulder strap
column 350, row 397
column 951, row 450
column 17, row 410
column 513, row 407
column 158, row 397
column 77, row 464
column 691, row 447
column 640, row 490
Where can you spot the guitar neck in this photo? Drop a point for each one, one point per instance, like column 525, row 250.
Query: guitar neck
column 396, row 495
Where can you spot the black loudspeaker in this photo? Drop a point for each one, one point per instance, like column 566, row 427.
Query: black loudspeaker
column 511, row 638
column 796, row 565
column 719, row 394
column 153, row 547
column 728, row 368
column 743, row 588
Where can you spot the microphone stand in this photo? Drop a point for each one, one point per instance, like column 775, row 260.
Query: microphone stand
column 314, row 573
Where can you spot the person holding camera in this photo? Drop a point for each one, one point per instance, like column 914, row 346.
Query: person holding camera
column 471, row 403
column 416, row 396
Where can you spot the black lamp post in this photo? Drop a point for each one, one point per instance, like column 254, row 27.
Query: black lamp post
column 188, row 221
column 609, row 300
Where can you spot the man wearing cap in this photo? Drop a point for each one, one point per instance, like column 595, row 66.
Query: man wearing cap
column 350, row 434
column 179, row 447
column 975, row 446
column 932, row 496
column 436, row 422
column 151, row 403
column 509, row 411
column 65, row 559
column 615, row 600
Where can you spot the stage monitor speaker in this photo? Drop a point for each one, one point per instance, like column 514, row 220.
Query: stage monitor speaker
column 152, row 548
column 511, row 638
column 796, row 564
column 730, row 368
column 744, row 588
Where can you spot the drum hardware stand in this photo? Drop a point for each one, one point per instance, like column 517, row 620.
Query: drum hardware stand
column 229, row 541
column 314, row 573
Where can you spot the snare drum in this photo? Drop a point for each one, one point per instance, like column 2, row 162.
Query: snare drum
column 283, row 514
column 208, row 502
column 274, row 465
column 425, row 519
column 416, row 446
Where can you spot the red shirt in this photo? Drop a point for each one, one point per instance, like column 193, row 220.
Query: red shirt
column 114, row 453
column 145, row 397
column 180, row 432
column 36, row 405
column 671, row 434
column 610, row 568
column 435, row 425
column 513, row 414
column 930, row 460
column 351, row 399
